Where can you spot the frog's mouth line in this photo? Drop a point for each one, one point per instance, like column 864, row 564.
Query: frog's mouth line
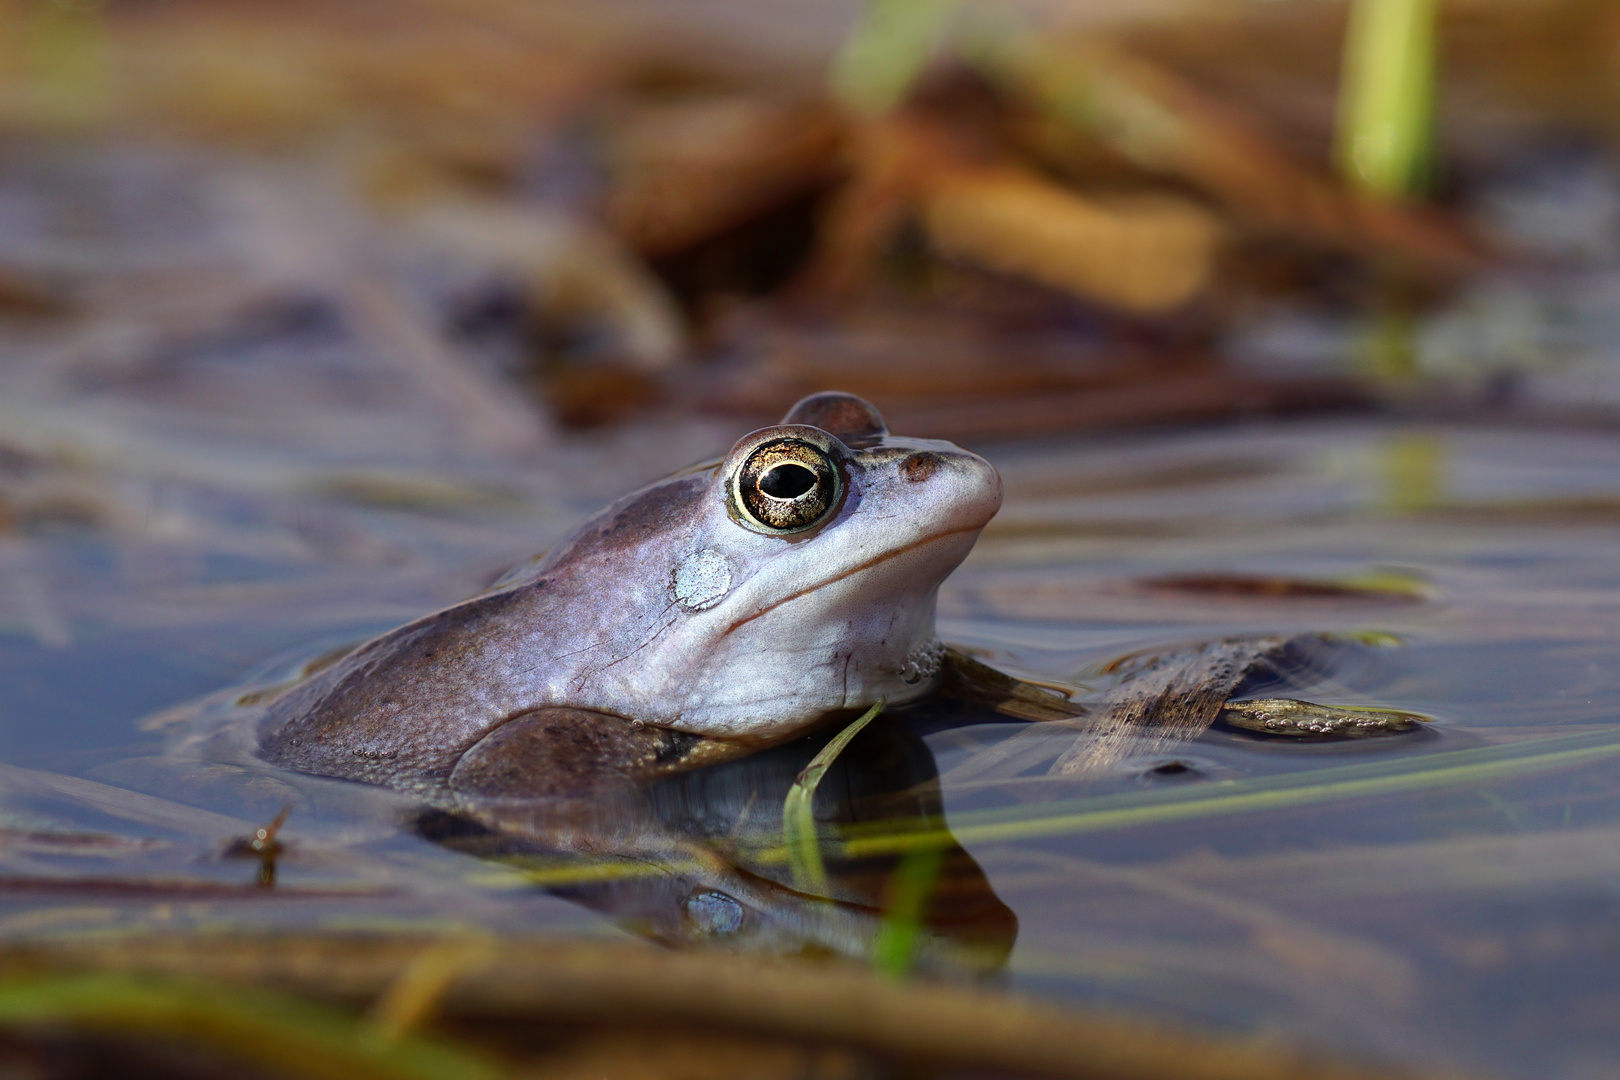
column 856, row 569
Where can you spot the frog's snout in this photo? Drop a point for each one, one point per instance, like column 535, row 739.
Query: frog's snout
column 962, row 484
column 988, row 496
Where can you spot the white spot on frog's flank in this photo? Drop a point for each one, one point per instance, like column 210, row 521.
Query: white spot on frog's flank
column 701, row 580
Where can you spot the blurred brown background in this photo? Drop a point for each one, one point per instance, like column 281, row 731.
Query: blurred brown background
column 993, row 219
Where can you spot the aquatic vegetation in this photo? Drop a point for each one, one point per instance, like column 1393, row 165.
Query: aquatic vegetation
column 1386, row 97
column 799, row 834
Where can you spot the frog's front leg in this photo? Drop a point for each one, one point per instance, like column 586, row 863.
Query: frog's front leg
column 567, row 752
column 573, row 773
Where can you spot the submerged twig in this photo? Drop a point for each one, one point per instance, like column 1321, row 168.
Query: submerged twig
column 1305, row 720
column 1023, row 699
column 263, row 846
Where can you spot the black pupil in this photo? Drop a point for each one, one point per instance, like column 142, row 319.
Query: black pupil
column 787, row 481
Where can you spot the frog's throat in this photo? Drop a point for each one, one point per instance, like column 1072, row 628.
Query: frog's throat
column 850, row 572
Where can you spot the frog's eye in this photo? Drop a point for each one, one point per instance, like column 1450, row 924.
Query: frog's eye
column 787, row 485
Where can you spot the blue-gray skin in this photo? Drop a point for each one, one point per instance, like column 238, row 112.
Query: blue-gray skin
column 725, row 608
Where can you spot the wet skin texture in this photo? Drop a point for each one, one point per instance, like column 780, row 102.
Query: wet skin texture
column 717, row 611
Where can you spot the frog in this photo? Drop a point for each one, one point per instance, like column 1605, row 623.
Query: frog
column 726, row 608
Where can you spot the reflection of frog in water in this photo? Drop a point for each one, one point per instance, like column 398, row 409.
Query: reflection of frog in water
column 701, row 861
column 703, row 621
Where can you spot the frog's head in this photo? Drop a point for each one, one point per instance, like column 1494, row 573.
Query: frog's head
column 796, row 576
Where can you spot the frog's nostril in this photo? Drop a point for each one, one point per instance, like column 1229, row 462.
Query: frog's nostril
column 920, row 466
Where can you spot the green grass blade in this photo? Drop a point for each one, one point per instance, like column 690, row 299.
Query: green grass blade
column 895, row 948
column 798, row 810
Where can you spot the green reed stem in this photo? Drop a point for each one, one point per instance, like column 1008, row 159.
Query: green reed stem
column 798, row 809
column 1386, row 96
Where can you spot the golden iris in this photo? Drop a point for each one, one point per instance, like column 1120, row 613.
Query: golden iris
column 787, row 485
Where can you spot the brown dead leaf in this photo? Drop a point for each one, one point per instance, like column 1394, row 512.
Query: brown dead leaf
column 886, row 160
column 1145, row 254
column 570, row 273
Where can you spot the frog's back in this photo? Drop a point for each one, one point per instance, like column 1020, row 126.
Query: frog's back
column 403, row 708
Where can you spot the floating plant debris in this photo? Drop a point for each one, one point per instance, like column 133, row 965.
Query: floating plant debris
column 1287, row 718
